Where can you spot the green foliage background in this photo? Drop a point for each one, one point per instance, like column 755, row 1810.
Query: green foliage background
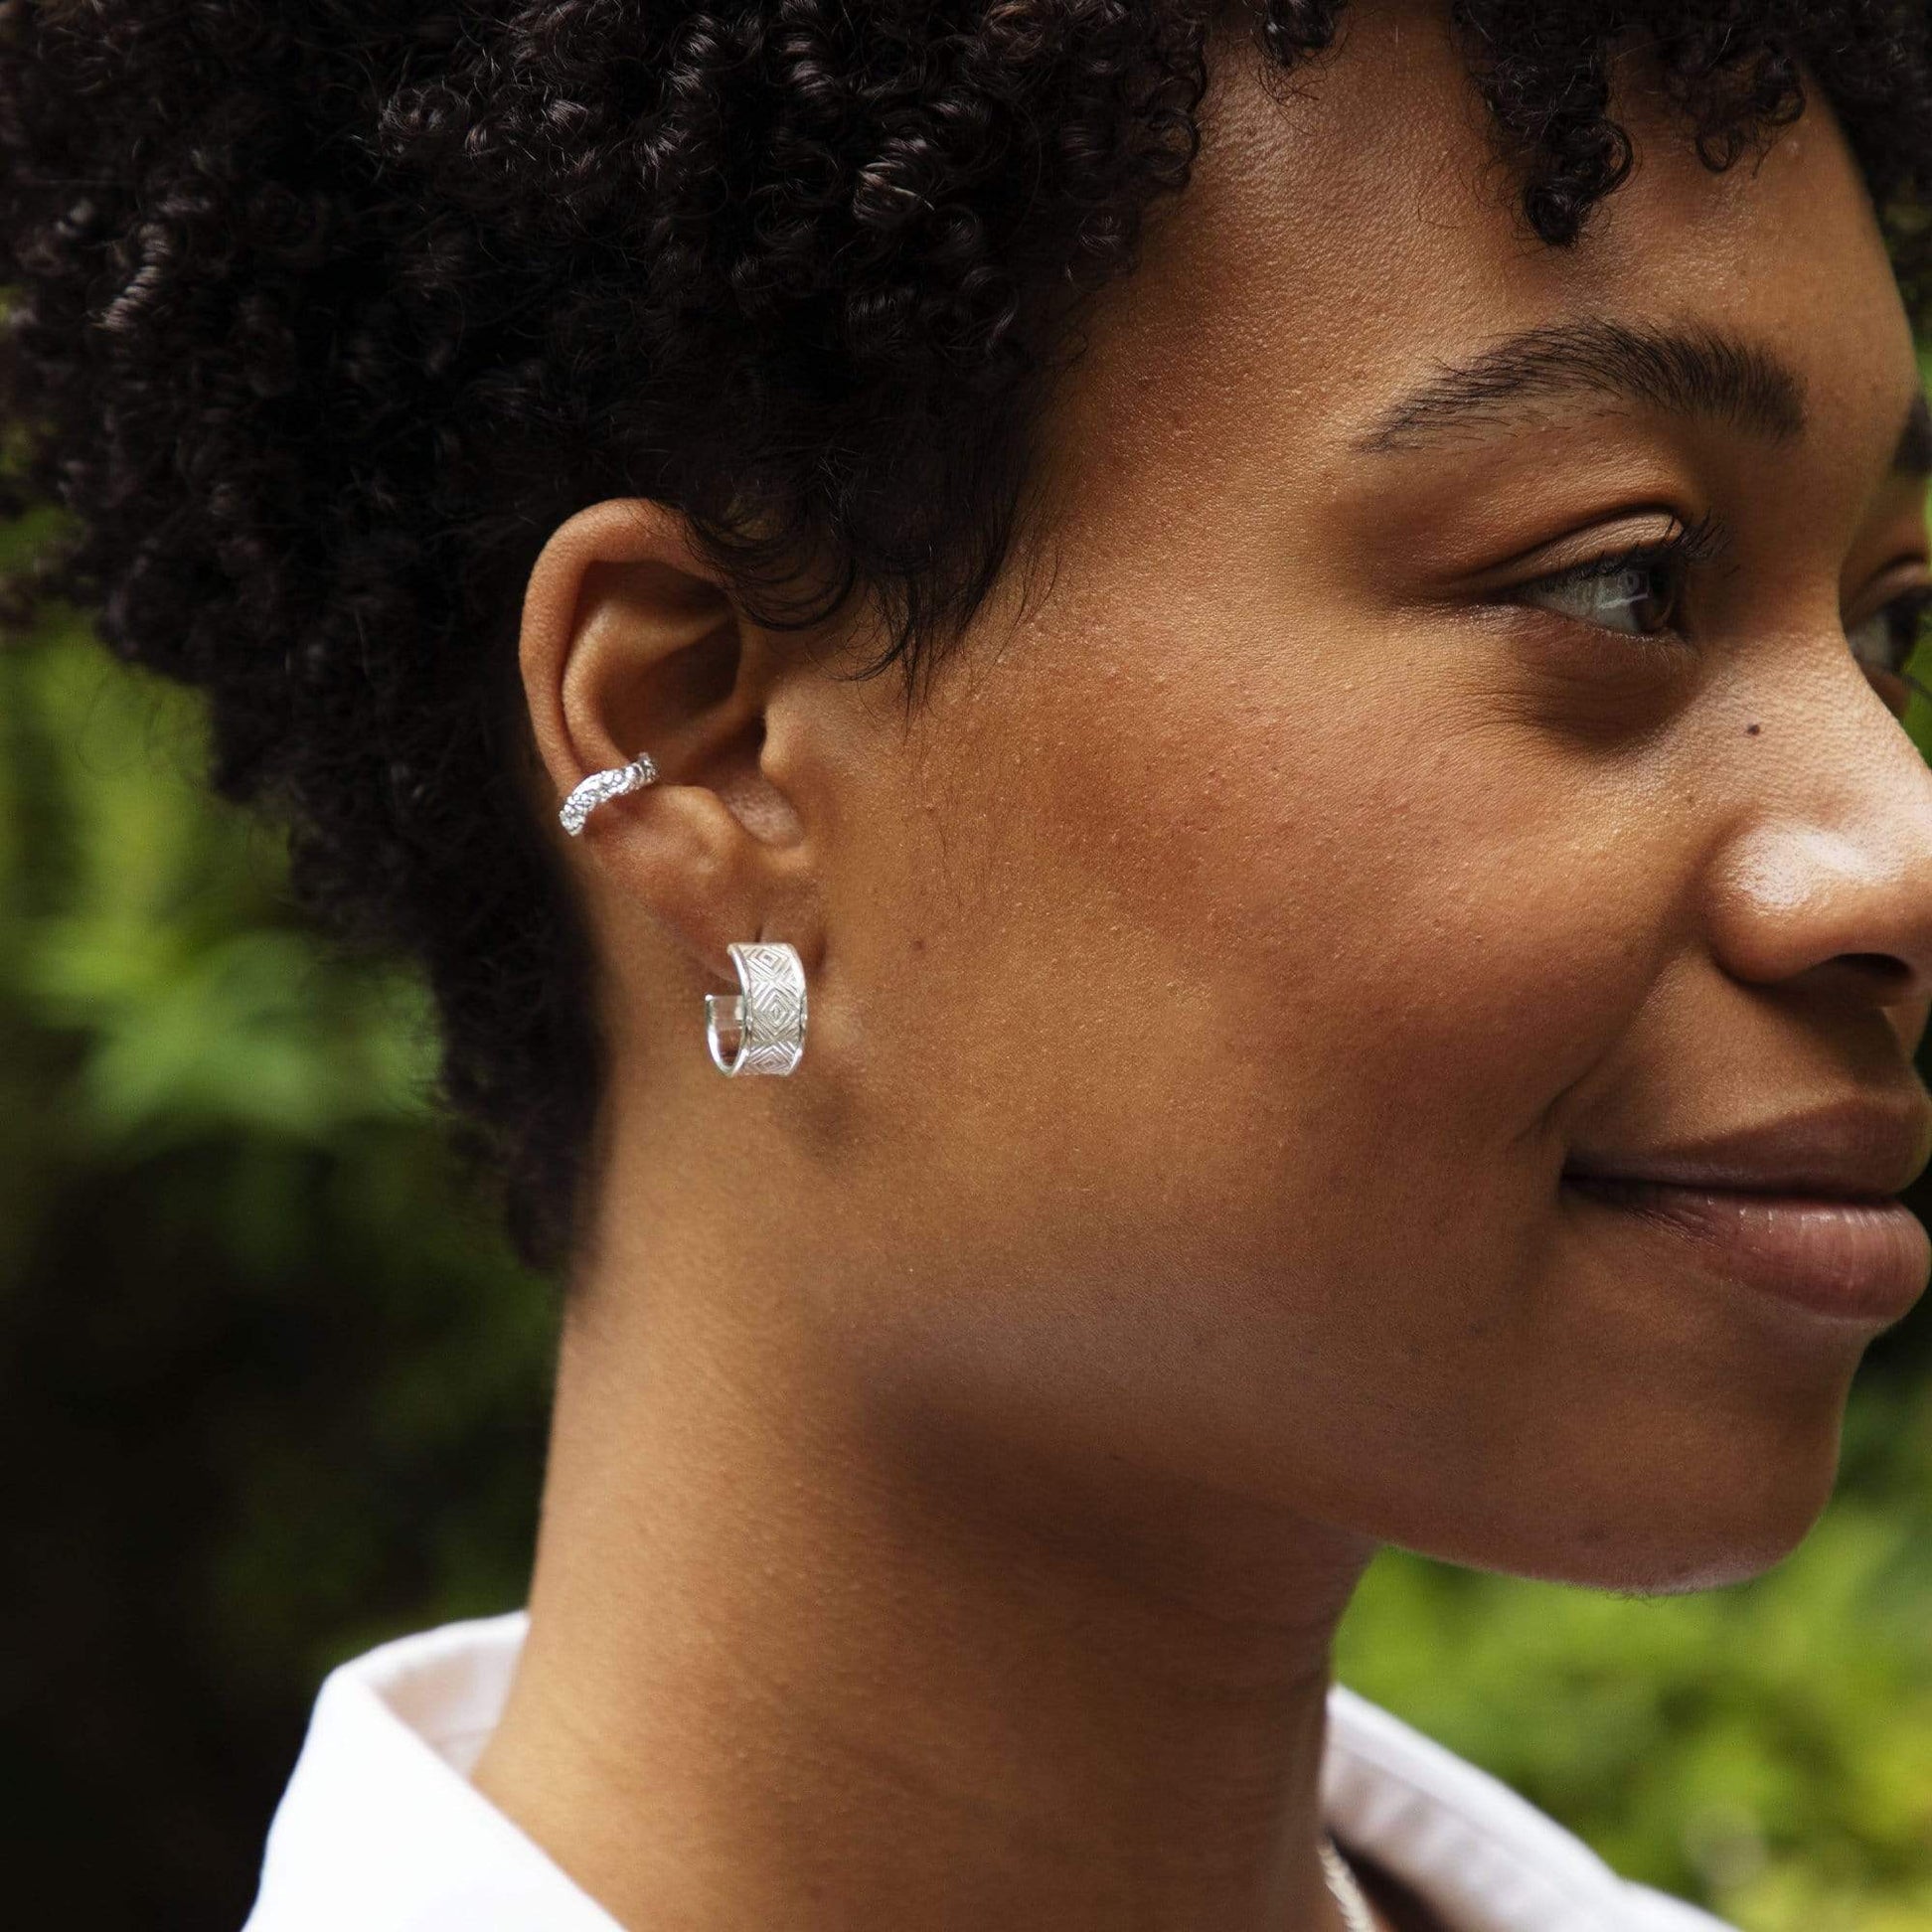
column 271, row 1391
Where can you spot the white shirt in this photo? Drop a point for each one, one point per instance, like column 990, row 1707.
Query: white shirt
column 381, row 1831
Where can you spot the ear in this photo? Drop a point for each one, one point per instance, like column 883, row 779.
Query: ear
column 631, row 643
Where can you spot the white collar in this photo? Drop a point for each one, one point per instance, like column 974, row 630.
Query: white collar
column 380, row 1828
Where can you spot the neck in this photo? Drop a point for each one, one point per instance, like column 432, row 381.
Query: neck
column 797, row 1658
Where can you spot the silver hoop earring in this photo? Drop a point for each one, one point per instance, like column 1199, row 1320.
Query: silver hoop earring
column 761, row 1027
column 591, row 792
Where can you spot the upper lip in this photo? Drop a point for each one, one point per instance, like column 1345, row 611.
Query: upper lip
column 1862, row 1149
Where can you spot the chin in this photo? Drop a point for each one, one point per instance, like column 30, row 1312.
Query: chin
column 1698, row 1521
column 1681, row 1505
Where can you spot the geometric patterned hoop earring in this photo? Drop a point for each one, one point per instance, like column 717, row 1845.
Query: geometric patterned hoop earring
column 591, row 792
column 760, row 1028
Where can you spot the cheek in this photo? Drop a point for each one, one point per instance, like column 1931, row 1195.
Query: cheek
column 1280, row 948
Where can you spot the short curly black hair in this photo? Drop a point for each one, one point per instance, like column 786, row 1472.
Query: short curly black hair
column 324, row 313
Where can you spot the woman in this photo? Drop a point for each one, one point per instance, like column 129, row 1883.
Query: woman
column 1357, row 985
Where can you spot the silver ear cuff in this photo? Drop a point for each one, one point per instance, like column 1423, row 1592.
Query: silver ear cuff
column 761, row 1027
column 612, row 783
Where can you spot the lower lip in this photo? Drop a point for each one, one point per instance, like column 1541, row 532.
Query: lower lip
column 1858, row 1260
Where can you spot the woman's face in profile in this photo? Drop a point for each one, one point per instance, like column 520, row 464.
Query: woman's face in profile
column 1258, row 923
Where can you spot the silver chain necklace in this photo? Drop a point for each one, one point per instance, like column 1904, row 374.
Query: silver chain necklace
column 1347, row 1894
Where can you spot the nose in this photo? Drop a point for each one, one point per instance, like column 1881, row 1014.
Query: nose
column 1825, row 883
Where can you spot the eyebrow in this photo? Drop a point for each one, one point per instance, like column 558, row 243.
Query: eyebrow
column 1686, row 369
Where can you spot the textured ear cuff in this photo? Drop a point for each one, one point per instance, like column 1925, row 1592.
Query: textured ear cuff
column 591, row 792
column 760, row 1028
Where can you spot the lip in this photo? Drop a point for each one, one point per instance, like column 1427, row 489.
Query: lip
column 1804, row 1207
column 1864, row 1261
column 1861, row 1149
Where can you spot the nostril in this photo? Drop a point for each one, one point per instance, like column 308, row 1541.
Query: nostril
column 1885, row 971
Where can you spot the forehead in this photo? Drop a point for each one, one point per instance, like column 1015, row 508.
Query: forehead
column 1348, row 233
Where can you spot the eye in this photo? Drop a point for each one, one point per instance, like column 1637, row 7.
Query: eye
column 1886, row 642
column 1636, row 592
column 1638, row 597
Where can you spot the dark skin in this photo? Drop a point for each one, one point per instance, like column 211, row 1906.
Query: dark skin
column 966, row 1448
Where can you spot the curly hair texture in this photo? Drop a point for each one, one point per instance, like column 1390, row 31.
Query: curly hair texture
column 325, row 313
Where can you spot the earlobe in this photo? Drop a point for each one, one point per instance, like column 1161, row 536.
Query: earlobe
column 634, row 654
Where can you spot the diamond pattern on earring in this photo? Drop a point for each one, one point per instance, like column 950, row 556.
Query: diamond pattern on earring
column 770, row 1011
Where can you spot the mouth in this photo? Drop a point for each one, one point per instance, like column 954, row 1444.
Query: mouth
column 1850, row 1256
